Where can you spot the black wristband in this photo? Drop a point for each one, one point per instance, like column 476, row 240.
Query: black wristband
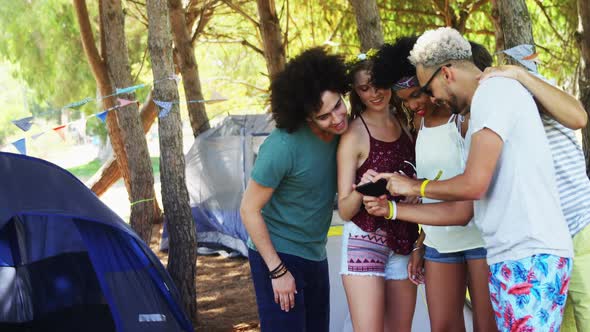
column 276, row 269
column 279, row 274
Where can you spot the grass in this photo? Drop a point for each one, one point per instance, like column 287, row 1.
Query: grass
column 89, row 169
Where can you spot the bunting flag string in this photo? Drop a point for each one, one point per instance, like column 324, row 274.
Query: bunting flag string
column 26, row 123
column 525, row 55
column 21, row 146
column 166, row 106
column 102, row 116
column 60, row 132
column 34, row 137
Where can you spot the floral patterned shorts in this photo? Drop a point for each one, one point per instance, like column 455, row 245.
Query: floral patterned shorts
column 529, row 294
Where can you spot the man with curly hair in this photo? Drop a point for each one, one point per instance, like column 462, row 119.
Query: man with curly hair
column 287, row 206
column 510, row 178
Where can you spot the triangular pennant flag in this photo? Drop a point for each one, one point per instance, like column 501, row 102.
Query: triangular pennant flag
column 60, row 132
column 176, row 78
column 37, row 135
column 165, row 107
column 522, row 54
column 129, row 89
column 77, row 104
column 21, row 146
column 24, row 124
column 215, row 98
column 125, row 102
column 102, row 116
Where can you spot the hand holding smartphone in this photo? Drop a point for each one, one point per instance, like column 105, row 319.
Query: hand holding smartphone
column 374, row 189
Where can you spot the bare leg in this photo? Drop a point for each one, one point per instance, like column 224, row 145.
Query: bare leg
column 445, row 295
column 483, row 314
column 400, row 302
column 366, row 301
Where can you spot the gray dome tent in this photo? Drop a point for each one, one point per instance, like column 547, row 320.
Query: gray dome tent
column 218, row 167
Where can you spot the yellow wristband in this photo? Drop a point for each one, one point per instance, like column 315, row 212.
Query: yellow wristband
column 390, row 214
column 423, row 187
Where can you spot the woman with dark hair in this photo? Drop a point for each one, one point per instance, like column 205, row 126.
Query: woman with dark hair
column 455, row 257
column 375, row 252
column 287, row 206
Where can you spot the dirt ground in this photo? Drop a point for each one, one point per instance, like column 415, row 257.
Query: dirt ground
column 225, row 295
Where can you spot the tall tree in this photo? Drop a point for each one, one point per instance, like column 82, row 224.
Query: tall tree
column 583, row 36
column 141, row 176
column 272, row 41
column 368, row 23
column 182, row 254
column 110, row 173
column 105, row 88
column 514, row 22
column 187, row 64
column 498, row 32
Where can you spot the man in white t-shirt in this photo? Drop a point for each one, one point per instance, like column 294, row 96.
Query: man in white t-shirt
column 509, row 175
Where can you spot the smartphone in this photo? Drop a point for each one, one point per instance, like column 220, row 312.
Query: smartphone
column 374, row 189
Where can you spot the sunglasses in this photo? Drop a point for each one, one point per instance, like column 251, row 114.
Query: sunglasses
column 424, row 88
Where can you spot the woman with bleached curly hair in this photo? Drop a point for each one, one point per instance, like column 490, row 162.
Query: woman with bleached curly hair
column 375, row 251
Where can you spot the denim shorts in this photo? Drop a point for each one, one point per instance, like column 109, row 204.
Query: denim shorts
column 367, row 254
column 433, row 255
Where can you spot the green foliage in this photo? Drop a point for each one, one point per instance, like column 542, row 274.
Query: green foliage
column 11, row 97
column 554, row 25
column 41, row 40
column 87, row 170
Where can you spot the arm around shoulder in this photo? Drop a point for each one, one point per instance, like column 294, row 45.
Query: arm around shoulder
column 560, row 105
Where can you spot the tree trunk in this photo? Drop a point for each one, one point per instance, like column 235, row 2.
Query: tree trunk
column 182, row 252
column 270, row 29
column 583, row 37
column 368, row 23
column 499, row 34
column 142, row 192
column 109, row 172
column 515, row 24
column 99, row 70
column 187, row 64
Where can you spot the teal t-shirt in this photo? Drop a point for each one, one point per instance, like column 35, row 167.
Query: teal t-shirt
column 301, row 168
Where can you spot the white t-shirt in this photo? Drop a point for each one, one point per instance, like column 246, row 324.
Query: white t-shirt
column 520, row 215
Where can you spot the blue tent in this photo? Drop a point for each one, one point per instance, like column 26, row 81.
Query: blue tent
column 69, row 263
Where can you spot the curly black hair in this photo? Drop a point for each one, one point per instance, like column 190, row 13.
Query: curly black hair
column 391, row 62
column 481, row 56
column 296, row 92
